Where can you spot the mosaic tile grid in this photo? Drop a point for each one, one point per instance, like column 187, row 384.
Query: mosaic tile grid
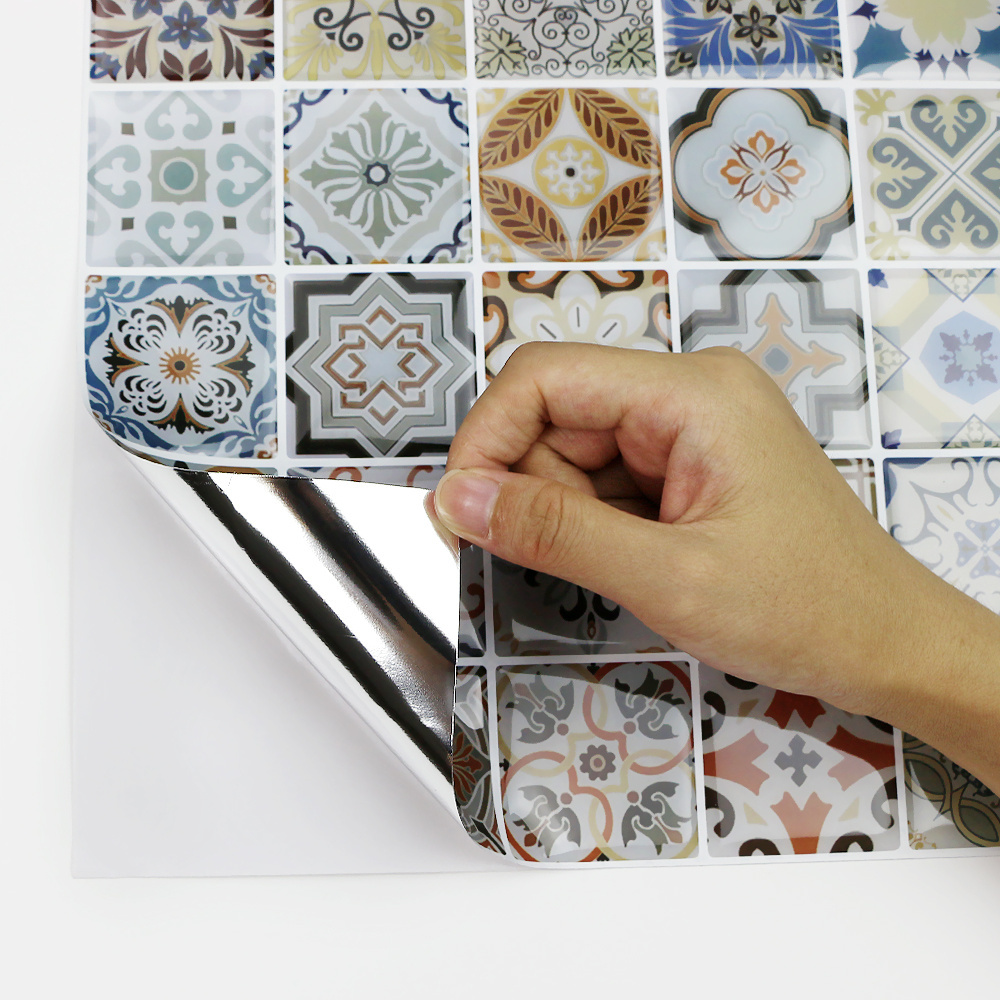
column 859, row 473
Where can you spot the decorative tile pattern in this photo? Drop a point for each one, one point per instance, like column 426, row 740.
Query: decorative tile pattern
column 598, row 761
column 803, row 328
column 539, row 615
column 860, row 476
column 184, row 363
column 944, row 512
column 934, row 39
column 570, row 175
column 376, row 177
column 752, row 39
column 762, row 174
column 374, row 39
column 615, row 308
column 946, row 805
column 470, row 759
column 933, row 172
column 422, row 476
column 937, row 357
column 521, row 38
column 472, row 606
column 180, row 178
column 788, row 774
column 173, row 40
column 379, row 364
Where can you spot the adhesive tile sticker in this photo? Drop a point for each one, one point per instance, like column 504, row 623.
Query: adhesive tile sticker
column 860, row 476
column 761, row 173
column 136, row 40
column 374, row 39
column 598, row 761
column 472, row 607
column 947, row 806
column 614, row 308
column 803, row 328
column 180, row 177
column 752, row 39
column 184, row 363
column 376, row 177
column 378, row 364
column 937, row 357
column 789, row 774
column 933, row 39
column 932, row 172
column 944, row 512
column 530, row 38
column 470, row 759
column 570, row 175
column 422, row 476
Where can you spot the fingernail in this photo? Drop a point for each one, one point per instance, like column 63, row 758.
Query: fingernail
column 464, row 502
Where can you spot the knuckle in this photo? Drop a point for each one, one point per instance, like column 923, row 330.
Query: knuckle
column 548, row 525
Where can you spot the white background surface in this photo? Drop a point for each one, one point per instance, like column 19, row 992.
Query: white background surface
column 916, row 929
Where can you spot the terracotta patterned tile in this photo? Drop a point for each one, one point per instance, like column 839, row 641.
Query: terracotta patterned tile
column 570, row 175
column 180, row 178
column 136, row 40
column 932, row 184
column 379, row 364
column 944, row 512
column 376, row 176
column 803, row 328
column 374, row 39
column 788, row 774
column 937, row 351
column 860, row 476
column 530, row 38
column 598, row 761
column 614, row 308
column 752, row 39
column 907, row 39
column 760, row 173
column 184, row 364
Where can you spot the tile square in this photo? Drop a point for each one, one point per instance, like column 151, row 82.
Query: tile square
column 598, row 761
column 531, row 38
column 930, row 168
column 185, row 364
column 374, row 39
column 539, row 615
column 378, row 364
column 377, row 177
column 859, row 474
column 752, row 39
column 614, row 308
column 136, row 40
column 789, row 774
column 570, row 174
column 472, row 605
column 943, row 511
column 803, row 328
column 166, row 169
column 761, row 174
column 928, row 39
column 947, row 806
column 937, row 357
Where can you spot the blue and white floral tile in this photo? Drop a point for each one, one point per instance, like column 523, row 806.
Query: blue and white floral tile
column 929, row 39
column 789, row 774
column 947, row 806
column 132, row 41
column 598, row 761
column 803, row 328
column 752, row 39
column 180, row 178
column 859, row 474
column 531, row 38
column 761, row 174
column 931, row 167
column 937, row 357
column 185, row 364
column 379, row 365
column 944, row 512
column 377, row 177
column 374, row 39
column 613, row 308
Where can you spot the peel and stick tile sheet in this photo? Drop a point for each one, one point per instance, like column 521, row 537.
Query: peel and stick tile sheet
column 316, row 230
